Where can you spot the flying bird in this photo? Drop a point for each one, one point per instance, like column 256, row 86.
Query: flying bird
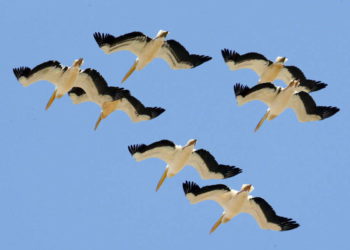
column 278, row 99
column 146, row 49
column 177, row 157
column 62, row 77
column 269, row 71
column 93, row 87
column 235, row 202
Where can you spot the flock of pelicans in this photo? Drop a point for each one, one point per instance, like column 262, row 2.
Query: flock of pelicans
column 89, row 85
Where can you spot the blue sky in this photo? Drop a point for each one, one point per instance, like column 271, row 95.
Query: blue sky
column 65, row 186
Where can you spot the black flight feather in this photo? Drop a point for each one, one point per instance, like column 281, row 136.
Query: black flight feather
column 231, row 55
column 311, row 85
column 311, row 108
column 182, row 55
column 213, row 166
column 141, row 148
column 272, row 217
column 27, row 72
column 193, row 188
column 111, row 40
column 242, row 90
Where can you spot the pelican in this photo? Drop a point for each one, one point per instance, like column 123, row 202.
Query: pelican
column 177, row 157
column 235, row 202
column 62, row 77
column 91, row 86
column 146, row 49
column 269, row 71
column 278, row 99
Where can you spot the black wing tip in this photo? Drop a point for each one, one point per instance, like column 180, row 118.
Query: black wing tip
column 240, row 89
column 103, row 38
column 190, row 187
column 199, row 59
column 156, row 111
column 318, row 86
column 21, row 71
column 231, row 171
column 315, row 85
column 229, row 55
column 135, row 148
column 326, row 112
column 288, row 224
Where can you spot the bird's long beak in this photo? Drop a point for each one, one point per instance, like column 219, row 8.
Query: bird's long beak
column 261, row 121
column 162, row 179
column 99, row 120
column 131, row 70
column 217, row 224
column 52, row 98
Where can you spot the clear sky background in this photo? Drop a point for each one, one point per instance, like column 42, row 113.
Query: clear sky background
column 65, row 186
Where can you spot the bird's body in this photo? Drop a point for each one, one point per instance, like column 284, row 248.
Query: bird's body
column 149, row 52
column 62, row 77
column 279, row 99
column 93, row 87
column 177, row 157
column 269, row 71
column 272, row 71
column 235, row 202
column 146, row 49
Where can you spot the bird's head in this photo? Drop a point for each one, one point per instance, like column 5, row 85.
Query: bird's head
column 281, row 59
column 191, row 142
column 246, row 188
column 162, row 33
column 78, row 62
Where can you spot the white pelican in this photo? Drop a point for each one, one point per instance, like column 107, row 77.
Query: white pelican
column 62, row 77
column 269, row 71
column 235, row 202
column 177, row 157
column 278, row 99
column 93, row 87
column 146, row 49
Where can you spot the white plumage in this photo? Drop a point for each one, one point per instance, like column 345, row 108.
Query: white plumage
column 269, row 71
column 235, row 202
column 146, row 49
column 278, row 99
column 177, row 157
column 91, row 86
column 62, row 77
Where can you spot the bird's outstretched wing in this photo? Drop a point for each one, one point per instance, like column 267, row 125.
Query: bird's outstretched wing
column 209, row 168
column 219, row 193
column 306, row 110
column 163, row 150
column 135, row 109
column 266, row 216
column 48, row 71
column 265, row 92
column 134, row 42
column 252, row 60
column 178, row 57
column 289, row 73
